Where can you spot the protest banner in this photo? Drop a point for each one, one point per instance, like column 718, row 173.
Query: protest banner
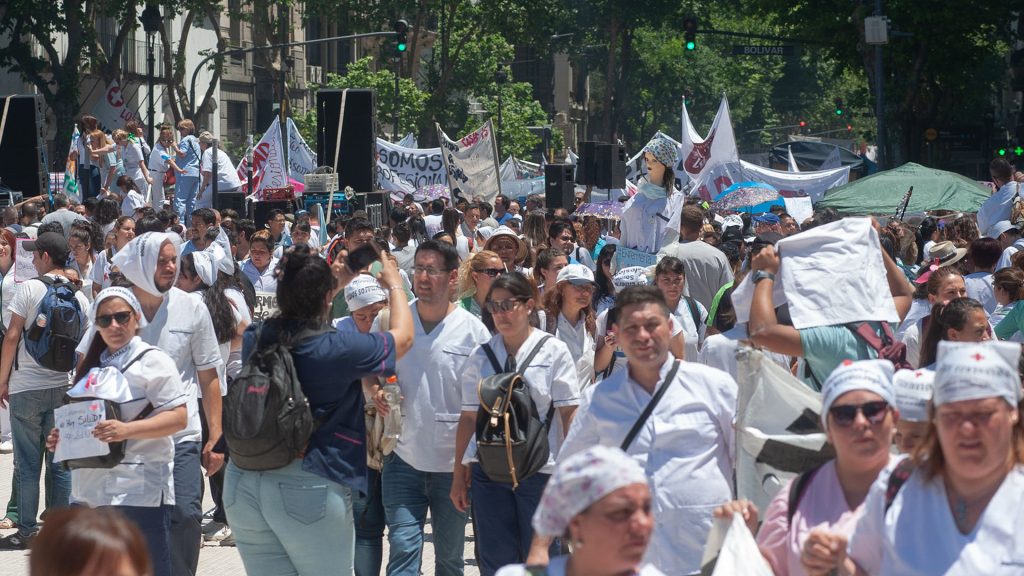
column 111, row 110
column 23, row 268
column 778, row 431
column 404, row 170
column 268, row 159
column 698, row 157
column 626, row 257
column 266, row 305
column 75, row 421
column 472, row 163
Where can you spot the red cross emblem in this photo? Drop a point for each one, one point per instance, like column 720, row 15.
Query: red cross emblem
column 978, row 357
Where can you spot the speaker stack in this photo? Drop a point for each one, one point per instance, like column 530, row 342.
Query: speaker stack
column 22, row 168
column 585, row 170
column 357, row 158
column 601, row 165
column 559, row 187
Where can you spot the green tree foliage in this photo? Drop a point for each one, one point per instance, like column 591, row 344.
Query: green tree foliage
column 519, row 111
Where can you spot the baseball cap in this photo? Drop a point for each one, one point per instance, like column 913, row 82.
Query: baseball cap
column 51, row 243
column 575, row 274
column 766, row 218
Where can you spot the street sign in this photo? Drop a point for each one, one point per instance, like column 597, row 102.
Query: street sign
column 744, row 50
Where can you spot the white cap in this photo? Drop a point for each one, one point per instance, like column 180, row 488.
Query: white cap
column 363, row 291
column 575, row 274
column 976, row 370
column 913, row 389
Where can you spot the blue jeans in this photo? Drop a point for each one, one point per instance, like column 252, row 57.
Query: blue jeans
column 368, row 513
column 185, row 189
column 31, row 422
column 503, row 518
column 407, row 493
column 155, row 524
column 289, row 522
column 187, row 514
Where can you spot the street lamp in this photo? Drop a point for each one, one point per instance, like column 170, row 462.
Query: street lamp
column 500, row 78
column 151, row 20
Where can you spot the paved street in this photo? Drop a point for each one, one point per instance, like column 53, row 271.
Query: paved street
column 213, row 561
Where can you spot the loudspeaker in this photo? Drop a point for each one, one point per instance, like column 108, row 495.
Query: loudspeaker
column 585, row 163
column 235, row 201
column 559, row 188
column 610, row 166
column 357, row 159
column 21, row 149
column 260, row 210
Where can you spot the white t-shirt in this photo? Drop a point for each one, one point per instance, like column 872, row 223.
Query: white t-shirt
column 551, row 374
column 8, row 287
column 430, row 378
column 144, row 477
column 432, row 222
column 918, row 534
column 557, row 567
column 693, row 335
column 979, row 287
column 227, row 177
column 159, row 159
column 261, row 281
column 132, row 200
column 29, row 375
column 719, row 350
column 182, row 328
column 101, row 270
column 132, row 154
column 685, row 447
column 242, row 316
column 581, row 347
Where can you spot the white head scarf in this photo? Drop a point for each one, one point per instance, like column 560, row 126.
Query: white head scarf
column 362, row 291
column 913, row 390
column 222, row 258
column 975, row 370
column 579, row 481
column 138, row 259
column 871, row 375
column 206, row 269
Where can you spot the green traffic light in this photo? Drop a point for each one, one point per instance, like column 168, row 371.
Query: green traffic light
column 691, row 45
column 401, row 46
column 839, row 111
column 1002, row 151
column 1018, row 151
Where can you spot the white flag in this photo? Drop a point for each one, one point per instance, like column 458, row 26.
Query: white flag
column 472, row 163
column 832, row 161
column 111, row 109
column 792, row 161
column 704, row 160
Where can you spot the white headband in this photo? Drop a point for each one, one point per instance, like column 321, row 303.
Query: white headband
column 975, row 370
column 362, row 291
column 870, row 375
column 117, row 292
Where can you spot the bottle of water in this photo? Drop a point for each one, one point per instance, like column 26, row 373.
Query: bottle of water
column 393, row 421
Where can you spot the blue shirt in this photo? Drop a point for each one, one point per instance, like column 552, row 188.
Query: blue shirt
column 190, row 161
column 329, row 367
column 825, row 348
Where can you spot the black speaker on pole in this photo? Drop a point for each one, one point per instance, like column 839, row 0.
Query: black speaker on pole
column 585, row 164
column 22, row 168
column 610, row 166
column 357, row 158
column 559, row 188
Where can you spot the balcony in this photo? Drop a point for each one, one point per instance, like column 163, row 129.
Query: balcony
column 134, row 53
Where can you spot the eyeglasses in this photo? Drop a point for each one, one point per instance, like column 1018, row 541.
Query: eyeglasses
column 121, row 318
column 496, row 306
column 492, row 272
column 430, row 271
column 588, row 287
column 956, row 419
column 874, row 412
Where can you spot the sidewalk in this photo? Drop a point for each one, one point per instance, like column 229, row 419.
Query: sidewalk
column 213, row 560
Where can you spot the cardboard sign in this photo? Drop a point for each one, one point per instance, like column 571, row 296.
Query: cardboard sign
column 76, row 421
column 626, row 257
column 266, row 304
column 23, row 268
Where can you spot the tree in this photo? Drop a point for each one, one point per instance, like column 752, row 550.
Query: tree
column 519, row 111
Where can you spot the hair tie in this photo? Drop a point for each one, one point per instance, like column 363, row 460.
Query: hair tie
column 923, row 278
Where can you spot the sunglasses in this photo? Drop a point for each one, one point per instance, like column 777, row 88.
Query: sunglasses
column 492, row 272
column 496, row 306
column 874, row 412
column 121, row 318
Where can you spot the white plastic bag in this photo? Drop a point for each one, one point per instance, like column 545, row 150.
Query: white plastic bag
column 732, row 551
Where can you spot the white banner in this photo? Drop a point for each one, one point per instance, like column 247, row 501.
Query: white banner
column 472, row 163
column 266, row 305
column 111, row 109
column 700, row 156
column 268, row 159
column 301, row 158
column 404, row 170
column 778, row 434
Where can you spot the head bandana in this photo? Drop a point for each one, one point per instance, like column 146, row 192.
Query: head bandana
column 913, row 390
column 975, row 370
column 222, row 259
column 870, row 375
column 138, row 259
column 206, row 269
column 579, row 481
column 362, row 291
column 630, row 276
column 663, row 150
column 117, row 292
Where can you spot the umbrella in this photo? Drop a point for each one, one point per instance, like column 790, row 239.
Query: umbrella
column 611, row 210
column 745, row 195
column 431, row 192
column 883, row 191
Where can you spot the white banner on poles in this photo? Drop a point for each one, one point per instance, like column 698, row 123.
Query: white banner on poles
column 404, row 170
column 111, row 109
column 778, row 434
column 268, row 159
column 472, row 162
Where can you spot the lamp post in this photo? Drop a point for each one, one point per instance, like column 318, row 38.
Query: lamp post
column 151, row 20
column 500, row 78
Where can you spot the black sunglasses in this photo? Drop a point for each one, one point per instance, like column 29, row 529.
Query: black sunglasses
column 845, row 416
column 121, row 318
column 496, row 306
column 492, row 272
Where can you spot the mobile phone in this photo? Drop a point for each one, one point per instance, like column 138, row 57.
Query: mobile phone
column 362, row 257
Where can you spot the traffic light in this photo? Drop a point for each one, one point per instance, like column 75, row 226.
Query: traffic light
column 690, row 33
column 803, row 124
column 1019, row 151
column 401, row 36
column 839, row 106
column 849, row 127
column 1001, row 151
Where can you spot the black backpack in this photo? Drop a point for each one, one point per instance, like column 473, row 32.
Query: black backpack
column 511, row 439
column 267, row 419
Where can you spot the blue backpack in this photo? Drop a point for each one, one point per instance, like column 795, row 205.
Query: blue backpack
column 57, row 329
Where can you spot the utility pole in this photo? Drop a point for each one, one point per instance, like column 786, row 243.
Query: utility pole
column 879, row 98
column 283, row 107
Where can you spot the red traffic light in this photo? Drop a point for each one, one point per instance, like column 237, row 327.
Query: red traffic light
column 849, row 127
column 803, row 124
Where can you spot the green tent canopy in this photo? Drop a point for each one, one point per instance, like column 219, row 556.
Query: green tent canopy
column 881, row 193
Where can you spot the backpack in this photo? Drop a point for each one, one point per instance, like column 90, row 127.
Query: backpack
column 267, row 418
column 887, row 346
column 899, row 476
column 113, row 412
column 511, row 439
column 52, row 344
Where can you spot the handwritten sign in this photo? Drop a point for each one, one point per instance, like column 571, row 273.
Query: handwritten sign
column 626, row 257
column 23, row 268
column 266, row 305
column 75, row 421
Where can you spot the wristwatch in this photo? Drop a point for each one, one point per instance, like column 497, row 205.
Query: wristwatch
column 762, row 275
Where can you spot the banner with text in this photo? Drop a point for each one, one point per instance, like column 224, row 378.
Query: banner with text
column 472, row 163
column 404, row 170
column 268, row 159
column 111, row 109
column 266, row 305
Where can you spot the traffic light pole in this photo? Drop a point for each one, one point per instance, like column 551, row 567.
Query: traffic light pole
column 879, row 99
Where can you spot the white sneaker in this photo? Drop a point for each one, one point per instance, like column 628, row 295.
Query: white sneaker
column 212, row 528
column 6, row 447
column 219, row 536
